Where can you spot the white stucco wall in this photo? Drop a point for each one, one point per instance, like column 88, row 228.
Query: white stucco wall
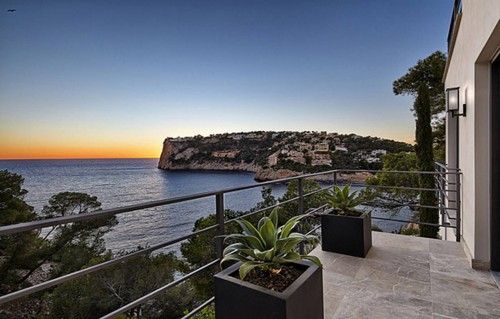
column 469, row 70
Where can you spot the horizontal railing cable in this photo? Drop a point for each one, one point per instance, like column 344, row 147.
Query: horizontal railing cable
column 412, row 222
column 313, row 230
column 407, row 188
column 274, row 206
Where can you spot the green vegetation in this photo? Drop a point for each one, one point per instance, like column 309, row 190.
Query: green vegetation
column 425, row 162
column 428, row 72
column 357, row 143
column 397, row 162
column 267, row 246
column 21, row 251
column 312, row 201
column 344, row 202
column 98, row 294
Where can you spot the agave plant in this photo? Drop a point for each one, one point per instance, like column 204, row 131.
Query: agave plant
column 267, row 246
column 344, row 201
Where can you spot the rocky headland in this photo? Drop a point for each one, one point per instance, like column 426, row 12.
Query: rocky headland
column 278, row 155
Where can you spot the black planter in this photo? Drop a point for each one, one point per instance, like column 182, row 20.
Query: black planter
column 349, row 235
column 237, row 299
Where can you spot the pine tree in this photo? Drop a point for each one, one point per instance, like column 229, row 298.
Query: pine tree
column 425, row 162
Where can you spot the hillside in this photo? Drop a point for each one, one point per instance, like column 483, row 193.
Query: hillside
column 274, row 155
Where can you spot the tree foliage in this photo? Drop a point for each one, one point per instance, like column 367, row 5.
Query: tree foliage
column 98, row 294
column 425, row 161
column 19, row 253
column 397, row 162
column 428, row 72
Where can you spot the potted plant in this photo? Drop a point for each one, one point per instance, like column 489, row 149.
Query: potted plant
column 270, row 279
column 344, row 229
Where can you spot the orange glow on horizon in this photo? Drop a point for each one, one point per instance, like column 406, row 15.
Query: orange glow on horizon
column 77, row 152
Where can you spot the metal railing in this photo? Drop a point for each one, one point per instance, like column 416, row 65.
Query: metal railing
column 449, row 198
column 442, row 189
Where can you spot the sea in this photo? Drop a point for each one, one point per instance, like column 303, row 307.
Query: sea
column 121, row 182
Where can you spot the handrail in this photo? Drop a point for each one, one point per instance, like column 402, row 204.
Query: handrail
column 27, row 226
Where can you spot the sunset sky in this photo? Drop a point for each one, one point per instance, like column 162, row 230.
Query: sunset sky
column 93, row 79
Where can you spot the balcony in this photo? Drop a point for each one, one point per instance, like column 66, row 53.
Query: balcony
column 401, row 277
column 407, row 277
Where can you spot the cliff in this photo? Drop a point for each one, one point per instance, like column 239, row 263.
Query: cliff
column 276, row 155
column 171, row 154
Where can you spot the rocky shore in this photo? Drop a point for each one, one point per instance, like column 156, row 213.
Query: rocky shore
column 210, row 166
column 265, row 174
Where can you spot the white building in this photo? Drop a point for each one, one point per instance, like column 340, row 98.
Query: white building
column 473, row 131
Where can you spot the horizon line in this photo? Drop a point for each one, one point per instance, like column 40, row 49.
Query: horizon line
column 73, row 158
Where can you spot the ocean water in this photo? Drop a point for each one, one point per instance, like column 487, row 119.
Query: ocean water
column 120, row 182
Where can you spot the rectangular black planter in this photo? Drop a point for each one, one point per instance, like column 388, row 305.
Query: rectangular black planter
column 237, row 299
column 349, row 235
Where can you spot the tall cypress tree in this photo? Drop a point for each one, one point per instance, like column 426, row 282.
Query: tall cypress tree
column 425, row 162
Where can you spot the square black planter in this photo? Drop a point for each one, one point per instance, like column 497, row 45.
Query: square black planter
column 237, row 299
column 349, row 235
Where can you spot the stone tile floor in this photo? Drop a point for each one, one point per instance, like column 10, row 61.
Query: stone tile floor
column 407, row 277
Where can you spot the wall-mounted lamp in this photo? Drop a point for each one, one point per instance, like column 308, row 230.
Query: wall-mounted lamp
column 453, row 102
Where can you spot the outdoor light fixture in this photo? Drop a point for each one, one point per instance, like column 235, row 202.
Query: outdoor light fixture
column 453, row 102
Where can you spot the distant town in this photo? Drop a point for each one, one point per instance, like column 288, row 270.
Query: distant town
column 276, row 154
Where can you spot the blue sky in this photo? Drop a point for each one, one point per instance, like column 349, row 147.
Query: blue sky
column 107, row 76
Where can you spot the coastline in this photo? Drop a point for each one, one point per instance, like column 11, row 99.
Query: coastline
column 267, row 174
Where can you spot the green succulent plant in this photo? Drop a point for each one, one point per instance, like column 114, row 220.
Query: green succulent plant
column 267, row 246
column 345, row 202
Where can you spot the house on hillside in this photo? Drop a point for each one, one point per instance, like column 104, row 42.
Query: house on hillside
column 272, row 159
column 322, row 147
column 472, row 83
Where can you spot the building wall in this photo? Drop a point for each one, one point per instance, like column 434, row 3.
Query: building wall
column 469, row 70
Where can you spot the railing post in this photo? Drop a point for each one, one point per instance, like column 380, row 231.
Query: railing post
column 219, row 217
column 459, row 204
column 300, row 189
column 442, row 186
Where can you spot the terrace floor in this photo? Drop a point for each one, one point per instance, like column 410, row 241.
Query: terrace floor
column 407, row 277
